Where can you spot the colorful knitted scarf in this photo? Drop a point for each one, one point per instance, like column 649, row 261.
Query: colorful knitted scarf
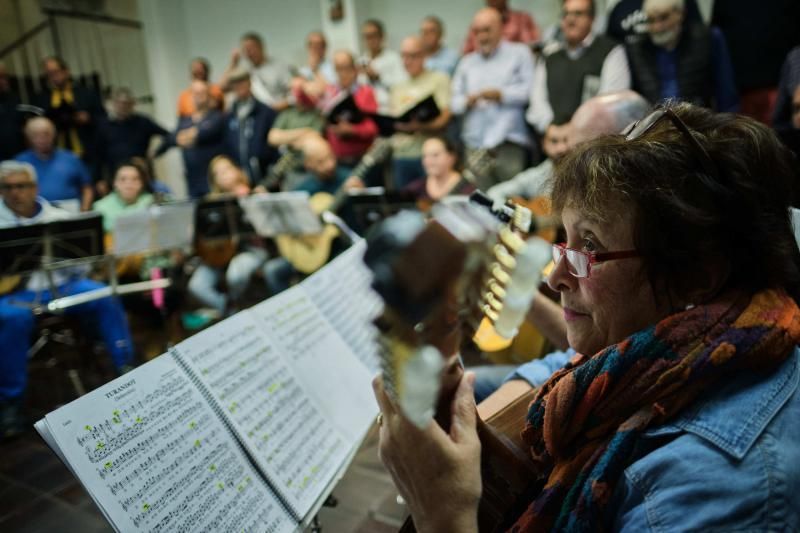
column 584, row 423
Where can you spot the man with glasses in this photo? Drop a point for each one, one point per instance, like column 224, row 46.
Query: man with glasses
column 422, row 83
column 21, row 206
column 270, row 76
column 381, row 67
column 678, row 59
column 583, row 66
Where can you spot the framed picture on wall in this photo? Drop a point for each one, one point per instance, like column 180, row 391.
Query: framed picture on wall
column 336, row 12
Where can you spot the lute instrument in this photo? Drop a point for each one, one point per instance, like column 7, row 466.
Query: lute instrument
column 437, row 280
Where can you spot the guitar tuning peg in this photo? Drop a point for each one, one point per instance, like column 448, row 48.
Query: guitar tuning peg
column 497, row 289
column 522, row 219
column 493, row 302
column 511, row 240
column 503, row 257
column 500, row 275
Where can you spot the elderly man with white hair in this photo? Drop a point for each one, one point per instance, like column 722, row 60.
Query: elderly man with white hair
column 63, row 178
column 608, row 113
column 681, row 59
column 22, row 206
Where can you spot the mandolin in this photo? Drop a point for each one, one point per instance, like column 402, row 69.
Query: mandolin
column 308, row 253
column 436, row 280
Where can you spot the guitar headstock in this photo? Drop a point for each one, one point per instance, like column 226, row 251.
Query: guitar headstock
column 429, row 275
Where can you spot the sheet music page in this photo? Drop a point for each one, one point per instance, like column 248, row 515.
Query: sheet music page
column 159, row 227
column 253, row 381
column 283, row 213
column 325, row 364
column 132, row 233
column 342, row 291
column 156, row 457
column 174, row 225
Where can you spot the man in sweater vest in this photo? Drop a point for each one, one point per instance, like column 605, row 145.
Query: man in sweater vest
column 681, row 59
column 585, row 65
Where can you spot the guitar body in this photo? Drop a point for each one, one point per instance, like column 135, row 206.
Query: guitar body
column 216, row 253
column 308, row 253
column 9, row 283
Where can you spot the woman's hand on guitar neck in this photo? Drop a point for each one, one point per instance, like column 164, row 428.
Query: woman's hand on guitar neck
column 353, row 183
column 437, row 472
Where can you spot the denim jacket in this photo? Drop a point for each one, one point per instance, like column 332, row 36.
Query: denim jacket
column 731, row 462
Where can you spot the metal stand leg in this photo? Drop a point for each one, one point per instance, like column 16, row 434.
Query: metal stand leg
column 77, row 384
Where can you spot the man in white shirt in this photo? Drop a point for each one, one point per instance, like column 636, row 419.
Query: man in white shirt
column 22, row 206
column 585, row 65
column 380, row 67
column 269, row 76
column 491, row 87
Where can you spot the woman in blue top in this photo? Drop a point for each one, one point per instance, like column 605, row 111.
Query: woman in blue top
column 679, row 281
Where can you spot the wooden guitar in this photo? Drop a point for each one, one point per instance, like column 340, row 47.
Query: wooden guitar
column 434, row 279
column 308, row 253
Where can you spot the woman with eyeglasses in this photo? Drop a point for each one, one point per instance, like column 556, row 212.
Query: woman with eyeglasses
column 679, row 282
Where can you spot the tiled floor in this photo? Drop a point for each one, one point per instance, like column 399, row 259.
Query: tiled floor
column 39, row 494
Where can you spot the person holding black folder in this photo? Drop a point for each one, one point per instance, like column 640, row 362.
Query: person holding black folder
column 421, row 109
column 347, row 106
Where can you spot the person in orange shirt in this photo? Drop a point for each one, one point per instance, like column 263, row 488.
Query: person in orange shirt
column 199, row 70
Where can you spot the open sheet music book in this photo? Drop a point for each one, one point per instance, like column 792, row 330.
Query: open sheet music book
column 281, row 213
column 245, row 426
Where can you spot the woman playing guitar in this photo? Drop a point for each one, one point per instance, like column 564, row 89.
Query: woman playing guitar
column 228, row 256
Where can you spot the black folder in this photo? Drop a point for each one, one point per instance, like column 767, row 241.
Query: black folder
column 424, row 111
column 344, row 108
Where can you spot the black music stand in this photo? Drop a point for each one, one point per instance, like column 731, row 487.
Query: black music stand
column 44, row 248
column 374, row 204
column 49, row 246
column 221, row 218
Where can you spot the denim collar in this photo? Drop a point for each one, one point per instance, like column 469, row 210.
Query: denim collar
column 735, row 415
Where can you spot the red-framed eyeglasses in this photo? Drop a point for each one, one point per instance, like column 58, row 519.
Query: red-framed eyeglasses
column 579, row 263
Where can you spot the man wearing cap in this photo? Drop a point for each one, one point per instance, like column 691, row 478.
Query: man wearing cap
column 247, row 127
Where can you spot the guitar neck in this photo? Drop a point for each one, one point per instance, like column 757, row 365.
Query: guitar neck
column 286, row 162
column 377, row 154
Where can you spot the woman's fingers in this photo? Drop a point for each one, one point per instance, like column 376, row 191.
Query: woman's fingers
column 384, row 402
column 463, row 424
